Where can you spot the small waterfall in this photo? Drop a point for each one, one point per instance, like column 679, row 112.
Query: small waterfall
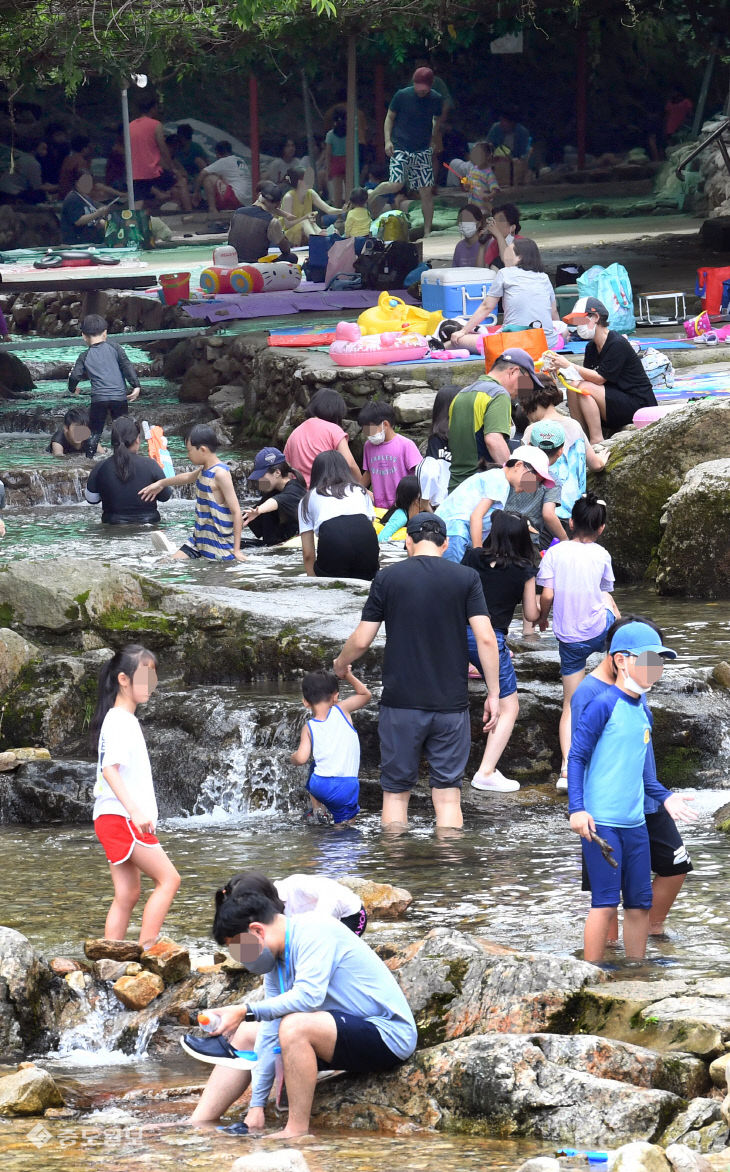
column 99, row 1038
column 45, row 486
column 254, row 773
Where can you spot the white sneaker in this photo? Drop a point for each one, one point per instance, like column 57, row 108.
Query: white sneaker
column 162, row 543
column 496, row 782
column 561, row 784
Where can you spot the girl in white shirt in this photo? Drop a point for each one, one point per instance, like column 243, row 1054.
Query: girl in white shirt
column 125, row 809
column 339, row 511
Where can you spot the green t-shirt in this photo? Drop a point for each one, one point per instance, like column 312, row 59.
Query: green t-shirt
column 481, row 409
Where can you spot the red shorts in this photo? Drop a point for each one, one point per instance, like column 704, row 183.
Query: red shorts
column 338, row 165
column 225, row 197
column 119, row 837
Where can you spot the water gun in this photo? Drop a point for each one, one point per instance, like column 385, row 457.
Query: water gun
column 591, row 1156
column 558, row 374
column 463, row 180
column 157, row 447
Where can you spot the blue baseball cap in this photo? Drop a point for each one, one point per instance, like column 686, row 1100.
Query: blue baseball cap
column 635, row 638
column 264, row 461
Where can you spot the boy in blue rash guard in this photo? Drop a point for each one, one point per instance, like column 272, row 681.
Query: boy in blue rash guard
column 609, row 773
column 670, row 859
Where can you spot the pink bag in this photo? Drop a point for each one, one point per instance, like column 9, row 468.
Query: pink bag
column 695, row 326
column 340, row 258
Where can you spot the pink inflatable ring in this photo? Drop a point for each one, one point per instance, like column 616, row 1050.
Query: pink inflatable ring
column 352, row 348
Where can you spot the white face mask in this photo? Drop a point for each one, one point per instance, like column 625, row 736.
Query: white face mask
column 377, row 438
column 468, row 229
column 634, row 686
column 587, row 333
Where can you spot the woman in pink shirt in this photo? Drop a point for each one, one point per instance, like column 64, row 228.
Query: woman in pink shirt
column 321, row 432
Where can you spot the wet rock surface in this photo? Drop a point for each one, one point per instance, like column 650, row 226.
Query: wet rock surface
column 30, row 1091
column 381, row 901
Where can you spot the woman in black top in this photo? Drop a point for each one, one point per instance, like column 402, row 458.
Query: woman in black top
column 612, row 384
column 507, row 569
column 438, row 440
column 116, row 482
column 82, row 222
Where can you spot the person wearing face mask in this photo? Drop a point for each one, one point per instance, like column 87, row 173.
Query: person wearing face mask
column 577, row 579
column 611, row 772
column 329, row 1003
column 670, row 860
column 611, row 384
column 387, row 456
column 469, row 252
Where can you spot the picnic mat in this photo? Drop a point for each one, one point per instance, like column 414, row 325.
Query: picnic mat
column 314, row 300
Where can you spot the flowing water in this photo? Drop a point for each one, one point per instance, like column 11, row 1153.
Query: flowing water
column 511, row 875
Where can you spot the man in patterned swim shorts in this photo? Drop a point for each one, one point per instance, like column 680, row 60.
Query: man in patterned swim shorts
column 412, row 119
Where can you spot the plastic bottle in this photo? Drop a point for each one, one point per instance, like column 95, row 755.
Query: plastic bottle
column 209, row 1022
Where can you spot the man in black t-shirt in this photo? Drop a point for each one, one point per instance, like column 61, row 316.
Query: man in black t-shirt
column 276, row 517
column 426, row 604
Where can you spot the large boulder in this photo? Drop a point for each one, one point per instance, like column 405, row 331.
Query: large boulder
column 70, row 597
column 15, row 378
column 458, row 984
column 694, row 553
column 19, row 991
column 646, row 468
column 30, row 1091
column 381, row 901
column 499, row 1084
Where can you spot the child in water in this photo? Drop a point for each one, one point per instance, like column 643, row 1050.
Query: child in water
column 408, row 502
column 125, row 809
column 330, row 738
column 218, row 522
column 576, row 578
column 109, row 370
column 610, row 774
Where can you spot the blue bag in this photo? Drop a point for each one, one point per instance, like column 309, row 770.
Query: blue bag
column 613, row 287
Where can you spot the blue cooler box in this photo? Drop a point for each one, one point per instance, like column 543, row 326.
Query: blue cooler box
column 456, row 292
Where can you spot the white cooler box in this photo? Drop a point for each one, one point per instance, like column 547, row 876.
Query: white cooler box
column 456, row 292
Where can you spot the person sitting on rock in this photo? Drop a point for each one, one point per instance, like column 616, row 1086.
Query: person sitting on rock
column 612, row 384
column 72, row 438
column 329, row 1002
column 275, row 518
column 254, row 230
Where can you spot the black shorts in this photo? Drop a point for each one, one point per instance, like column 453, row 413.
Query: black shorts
column 408, row 733
column 669, row 855
column 347, row 548
column 359, row 1047
column 163, row 182
column 622, row 406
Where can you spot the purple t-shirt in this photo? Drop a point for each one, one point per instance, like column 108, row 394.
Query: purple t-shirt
column 387, row 464
column 466, row 254
column 577, row 573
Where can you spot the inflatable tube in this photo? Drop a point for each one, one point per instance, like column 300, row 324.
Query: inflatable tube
column 646, row 415
column 350, row 348
column 253, row 278
column 399, row 535
column 58, row 259
column 393, row 314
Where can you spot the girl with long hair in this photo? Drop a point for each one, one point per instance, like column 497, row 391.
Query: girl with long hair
column 125, row 808
column 116, row 481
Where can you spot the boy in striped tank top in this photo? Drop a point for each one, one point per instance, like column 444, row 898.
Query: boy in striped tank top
column 331, row 739
column 217, row 528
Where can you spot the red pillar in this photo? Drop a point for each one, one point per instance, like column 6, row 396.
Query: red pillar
column 379, row 111
column 253, row 106
column 581, row 95
column 351, row 166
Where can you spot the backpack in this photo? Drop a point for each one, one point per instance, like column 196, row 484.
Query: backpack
column 385, row 266
column 613, row 287
column 390, row 225
column 127, row 229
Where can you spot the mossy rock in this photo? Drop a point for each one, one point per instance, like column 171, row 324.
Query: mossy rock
column 644, row 470
column 694, row 553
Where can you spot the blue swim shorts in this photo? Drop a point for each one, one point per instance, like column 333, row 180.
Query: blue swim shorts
column 574, row 656
column 339, row 794
column 632, row 877
column 507, row 677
